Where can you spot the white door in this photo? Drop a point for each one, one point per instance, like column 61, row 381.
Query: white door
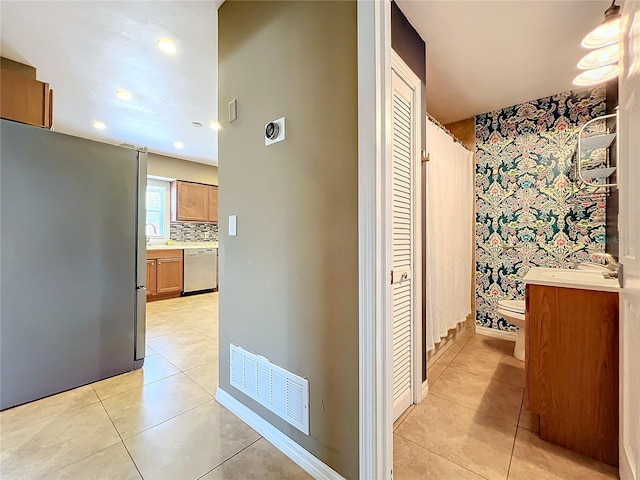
column 406, row 157
column 629, row 223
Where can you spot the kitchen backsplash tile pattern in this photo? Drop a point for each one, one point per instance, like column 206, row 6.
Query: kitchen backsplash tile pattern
column 193, row 232
column 524, row 196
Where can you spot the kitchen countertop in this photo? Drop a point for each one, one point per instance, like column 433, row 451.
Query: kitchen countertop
column 567, row 278
column 183, row 245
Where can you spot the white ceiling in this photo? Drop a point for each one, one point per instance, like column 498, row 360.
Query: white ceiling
column 481, row 56
column 486, row 55
column 87, row 50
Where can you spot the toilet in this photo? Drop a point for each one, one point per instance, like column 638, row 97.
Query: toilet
column 513, row 312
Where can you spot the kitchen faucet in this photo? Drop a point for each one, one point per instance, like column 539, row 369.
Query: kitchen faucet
column 155, row 230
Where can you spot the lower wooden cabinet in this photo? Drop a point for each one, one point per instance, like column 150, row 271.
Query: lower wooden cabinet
column 164, row 274
column 169, row 275
column 151, row 277
column 572, row 368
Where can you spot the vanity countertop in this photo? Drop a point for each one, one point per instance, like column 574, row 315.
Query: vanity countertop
column 567, row 278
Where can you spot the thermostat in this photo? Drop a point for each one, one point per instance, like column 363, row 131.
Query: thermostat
column 274, row 131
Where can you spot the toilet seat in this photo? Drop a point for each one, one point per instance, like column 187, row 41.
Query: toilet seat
column 515, row 306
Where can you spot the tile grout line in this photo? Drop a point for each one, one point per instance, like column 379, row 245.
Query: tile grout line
column 135, row 388
column 174, row 416
column 412, row 407
column 441, row 456
column 515, row 436
column 119, row 435
column 260, row 437
column 468, row 407
column 484, row 376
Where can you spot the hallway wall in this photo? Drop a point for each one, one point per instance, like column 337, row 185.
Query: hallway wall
column 289, row 284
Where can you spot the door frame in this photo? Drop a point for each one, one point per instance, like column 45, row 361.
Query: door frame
column 374, row 238
column 406, row 74
column 374, row 150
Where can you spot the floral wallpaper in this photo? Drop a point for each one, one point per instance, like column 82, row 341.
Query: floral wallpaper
column 526, row 198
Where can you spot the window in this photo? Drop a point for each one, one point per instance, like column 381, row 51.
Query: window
column 158, row 196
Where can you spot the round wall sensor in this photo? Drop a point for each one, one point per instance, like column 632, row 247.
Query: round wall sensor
column 271, row 130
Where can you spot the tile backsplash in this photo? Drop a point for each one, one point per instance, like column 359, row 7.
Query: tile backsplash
column 193, row 232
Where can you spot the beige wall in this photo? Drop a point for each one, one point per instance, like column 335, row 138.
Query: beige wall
column 171, row 167
column 289, row 280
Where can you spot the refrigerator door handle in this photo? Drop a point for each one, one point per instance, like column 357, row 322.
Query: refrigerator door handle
column 141, row 273
column 141, row 324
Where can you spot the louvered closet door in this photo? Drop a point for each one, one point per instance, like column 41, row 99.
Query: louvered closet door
column 402, row 244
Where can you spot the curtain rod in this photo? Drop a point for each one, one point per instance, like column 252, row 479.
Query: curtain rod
column 446, row 130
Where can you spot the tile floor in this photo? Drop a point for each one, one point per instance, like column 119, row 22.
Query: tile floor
column 159, row 422
column 162, row 422
column 472, row 424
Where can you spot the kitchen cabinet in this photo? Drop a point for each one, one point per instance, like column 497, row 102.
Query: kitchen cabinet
column 164, row 274
column 25, row 99
column 194, row 202
column 572, row 368
column 151, row 277
column 213, row 203
column 169, row 275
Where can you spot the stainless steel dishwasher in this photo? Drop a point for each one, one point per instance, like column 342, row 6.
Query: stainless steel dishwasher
column 200, row 269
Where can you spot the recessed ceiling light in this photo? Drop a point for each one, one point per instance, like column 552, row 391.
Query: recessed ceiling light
column 214, row 125
column 178, row 144
column 166, row 45
column 196, row 124
column 98, row 125
column 596, row 75
column 123, row 94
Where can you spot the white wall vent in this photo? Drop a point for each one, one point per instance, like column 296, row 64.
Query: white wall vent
column 282, row 392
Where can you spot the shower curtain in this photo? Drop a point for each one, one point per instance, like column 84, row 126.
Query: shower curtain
column 449, row 242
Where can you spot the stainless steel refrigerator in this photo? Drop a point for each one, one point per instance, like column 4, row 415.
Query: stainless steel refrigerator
column 72, row 262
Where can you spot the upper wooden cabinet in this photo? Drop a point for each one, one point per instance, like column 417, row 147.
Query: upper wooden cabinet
column 25, row 99
column 213, row 203
column 193, row 202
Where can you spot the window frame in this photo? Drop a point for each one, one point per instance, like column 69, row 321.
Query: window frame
column 166, row 185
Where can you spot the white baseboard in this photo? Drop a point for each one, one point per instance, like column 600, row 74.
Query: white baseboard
column 311, row 464
column 425, row 389
column 626, row 471
column 493, row 332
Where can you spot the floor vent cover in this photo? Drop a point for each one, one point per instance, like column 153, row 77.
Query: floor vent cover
column 282, row 392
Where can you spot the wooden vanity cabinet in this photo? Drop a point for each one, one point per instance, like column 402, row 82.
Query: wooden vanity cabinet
column 164, row 274
column 572, row 368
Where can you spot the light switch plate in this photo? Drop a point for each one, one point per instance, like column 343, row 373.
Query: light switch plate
column 233, row 225
column 233, row 110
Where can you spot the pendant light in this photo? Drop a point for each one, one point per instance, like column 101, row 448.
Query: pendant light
column 601, row 65
column 596, row 76
column 607, row 32
column 599, row 58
